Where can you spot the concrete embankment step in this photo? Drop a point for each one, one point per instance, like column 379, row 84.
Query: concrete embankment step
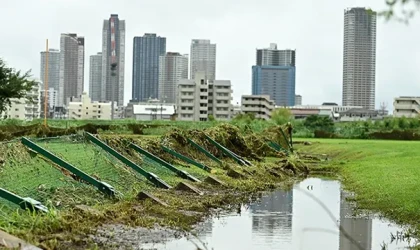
column 10, row 241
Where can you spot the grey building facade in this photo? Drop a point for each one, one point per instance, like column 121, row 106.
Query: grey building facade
column 203, row 58
column 95, row 77
column 72, row 64
column 274, row 57
column 275, row 75
column 113, row 51
column 359, row 59
column 53, row 68
column 146, row 52
column 172, row 67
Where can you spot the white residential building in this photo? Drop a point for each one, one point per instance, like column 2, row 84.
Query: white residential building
column 326, row 109
column 203, row 58
column 199, row 98
column 85, row 109
column 407, row 106
column 24, row 109
column 260, row 105
column 172, row 67
column 52, row 97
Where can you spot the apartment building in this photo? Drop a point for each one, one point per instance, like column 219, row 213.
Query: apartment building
column 407, row 106
column 28, row 108
column 259, row 105
column 359, row 58
column 85, row 109
column 199, row 98
column 150, row 110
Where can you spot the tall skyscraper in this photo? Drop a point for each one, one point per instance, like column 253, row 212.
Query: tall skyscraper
column 53, row 68
column 72, row 62
column 274, row 57
column 113, row 51
column 275, row 75
column 95, row 77
column 146, row 52
column 359, row 60
column 203, row 58
column 172, row 67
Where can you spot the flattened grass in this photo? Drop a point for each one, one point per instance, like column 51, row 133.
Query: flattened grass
column 385, row 175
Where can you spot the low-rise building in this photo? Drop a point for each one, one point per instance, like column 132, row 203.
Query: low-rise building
column 150, row 110
column 27, row 108
column 260, row 105
column 84, row 109
column 359, row 114
column 198, row 98
column 332, row 110
column 407, row 106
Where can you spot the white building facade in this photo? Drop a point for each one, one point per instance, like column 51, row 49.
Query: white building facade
column 172, row 68
column 203, row 58
column 149, row 111
column 407, row 106
column 199, row 98
column 259, row 105
column 28, row 108
column 85, row 109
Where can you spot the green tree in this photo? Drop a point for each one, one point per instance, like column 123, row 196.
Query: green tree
column 13, row 84
column 281, row 116
column 407, row 9
column 316, row 122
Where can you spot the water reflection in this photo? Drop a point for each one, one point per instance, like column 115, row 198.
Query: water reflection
column 293, row 220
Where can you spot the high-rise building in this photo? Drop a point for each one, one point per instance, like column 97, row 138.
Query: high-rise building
column 298, row 100
column 275, row 75
column 113, row 51
column 359, row 60
column 172, row 67
column 273, row 57
column 95, row 77
column 146, row 52
column 53, row 68
column 203, row 58
column 72, row 62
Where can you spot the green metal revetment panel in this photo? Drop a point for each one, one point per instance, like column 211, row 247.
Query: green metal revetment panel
column 24, row 203
column 185, row 158
column 149, row 176
column 226, row 151
column 277, row 147
column 180, row 173
column 204, row 151
column 102, row 186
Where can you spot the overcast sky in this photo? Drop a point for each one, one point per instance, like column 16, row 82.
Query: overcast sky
column 313, row 27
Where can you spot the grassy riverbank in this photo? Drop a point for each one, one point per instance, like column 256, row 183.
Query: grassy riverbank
column 385, row 175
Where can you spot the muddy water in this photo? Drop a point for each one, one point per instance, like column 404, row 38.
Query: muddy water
column 293, row 220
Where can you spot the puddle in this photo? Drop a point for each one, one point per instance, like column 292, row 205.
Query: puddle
column 292, row 220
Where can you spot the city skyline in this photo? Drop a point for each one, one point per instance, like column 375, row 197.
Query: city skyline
column 317, row 46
